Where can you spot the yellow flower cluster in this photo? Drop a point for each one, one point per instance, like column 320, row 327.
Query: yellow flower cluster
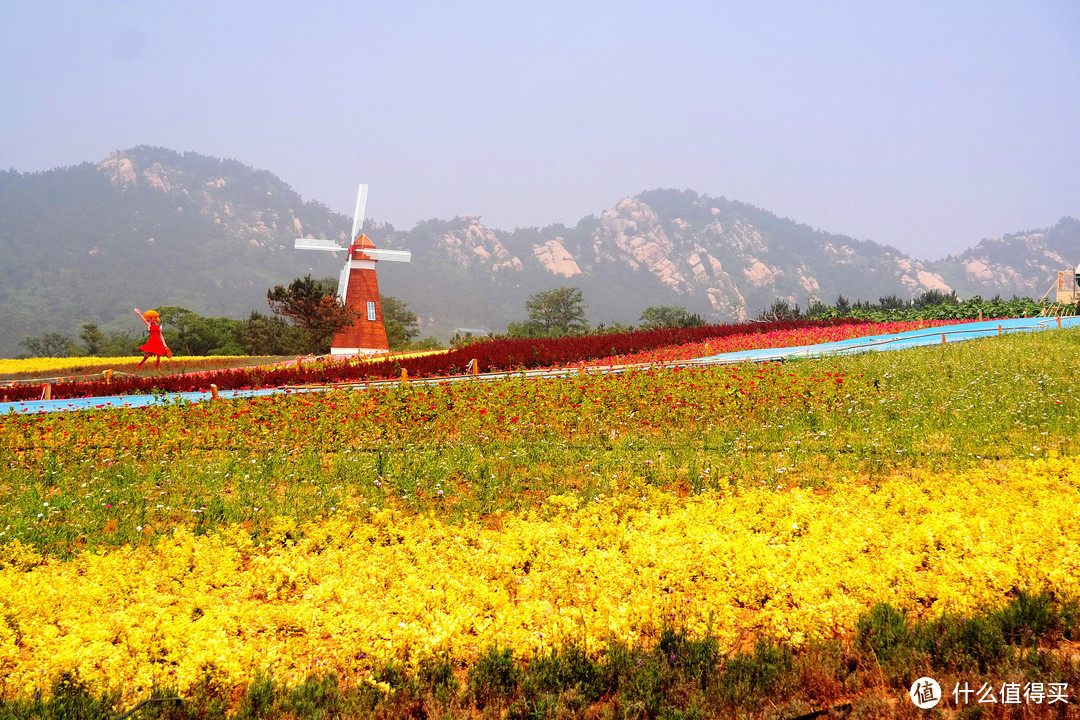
column 339, row 593
column 40, row 366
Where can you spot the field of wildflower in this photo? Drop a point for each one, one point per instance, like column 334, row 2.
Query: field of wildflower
column 348, row 533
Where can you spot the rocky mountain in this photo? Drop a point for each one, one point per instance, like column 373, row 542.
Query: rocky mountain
column 152, row 227
column 1024, row 263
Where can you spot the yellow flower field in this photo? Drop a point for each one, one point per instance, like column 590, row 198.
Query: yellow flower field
column 339, row 593
column 71, row 366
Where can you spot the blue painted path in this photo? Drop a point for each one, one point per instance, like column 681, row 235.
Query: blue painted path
column 898, row 341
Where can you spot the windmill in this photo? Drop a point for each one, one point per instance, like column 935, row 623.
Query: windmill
column 358, row 288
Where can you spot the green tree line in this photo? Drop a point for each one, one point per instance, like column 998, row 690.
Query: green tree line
column 930, row 305
column 306, row 314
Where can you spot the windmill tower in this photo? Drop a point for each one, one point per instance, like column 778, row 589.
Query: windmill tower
column 358, row 288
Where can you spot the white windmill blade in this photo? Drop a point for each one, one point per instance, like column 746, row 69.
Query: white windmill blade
column 391, row 255
column 343, row 283
column 315, row 244
column 358, row 213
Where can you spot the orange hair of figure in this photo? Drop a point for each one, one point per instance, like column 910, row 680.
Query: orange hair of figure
column 151, row 316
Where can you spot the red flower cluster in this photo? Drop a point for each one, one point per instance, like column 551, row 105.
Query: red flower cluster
column 492, row 356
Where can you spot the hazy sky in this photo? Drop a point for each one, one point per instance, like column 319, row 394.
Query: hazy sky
column 924, row 125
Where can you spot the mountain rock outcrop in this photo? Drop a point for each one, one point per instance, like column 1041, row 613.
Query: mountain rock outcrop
column 149, row 226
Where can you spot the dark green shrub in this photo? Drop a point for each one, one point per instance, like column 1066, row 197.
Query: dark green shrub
column 691, row 659
column 70, row 700
column 882, row 633
column 641, row 694
column 568, row 668
column 494, row 677
column 315, row 698
column 1069, row 614
column 956, row 643
column 748, row 677
column 1027, row 618
column 258, row 701
column 436, row 677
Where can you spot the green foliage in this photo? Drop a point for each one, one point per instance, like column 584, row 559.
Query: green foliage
column 259, row 700
column 314, row 306
column 50, row 344
column 176, row 321
column 612, row 328
column 956, row 643
column 70, row 699
column 695, row 658
column 884, row 636
column 766, row 672
column 883, row 633
column 554, row 313
column 661, row 316
column 269, row 335
column 92, row 338
column 933, row 298
column 494, row 676
column 562, row 670
column 215, row 336
column 931, row 305
column 318, row 698
column 1028, row 618
column 780, row 310
column 120, row 343
column 399, row 321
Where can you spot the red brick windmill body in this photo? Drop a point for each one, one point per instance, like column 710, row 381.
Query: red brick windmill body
column 358, row 286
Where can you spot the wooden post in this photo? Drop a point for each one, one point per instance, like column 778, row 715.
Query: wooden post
column 474, row 367
column 1059, row 322
column 404, row 376
column 46, row 391
column 999, row 331
column 107, row 376
column 942, row 338
column 300, row 363
column 980, row 316
column 213, row 391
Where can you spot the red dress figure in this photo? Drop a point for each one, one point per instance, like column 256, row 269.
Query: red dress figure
column 156, row 344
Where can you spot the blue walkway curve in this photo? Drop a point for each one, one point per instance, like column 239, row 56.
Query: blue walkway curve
column 898, row 341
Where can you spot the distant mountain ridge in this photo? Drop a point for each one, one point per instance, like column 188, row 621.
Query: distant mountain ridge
column 150, row 227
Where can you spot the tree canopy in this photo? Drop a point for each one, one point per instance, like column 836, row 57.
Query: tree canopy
column 50, row 344
column 669, row 316
column 399, row 321
column 554, row 313
column 314, row 306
